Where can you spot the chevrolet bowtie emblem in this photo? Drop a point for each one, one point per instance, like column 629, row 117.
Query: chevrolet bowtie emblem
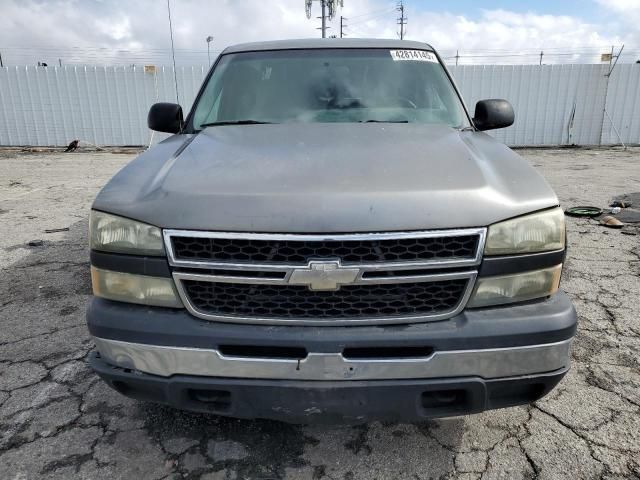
column 324, row 275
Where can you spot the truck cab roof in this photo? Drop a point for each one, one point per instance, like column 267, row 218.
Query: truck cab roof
column 320, row 43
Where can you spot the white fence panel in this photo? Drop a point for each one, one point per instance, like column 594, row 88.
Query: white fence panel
column 100, row 105
column 623, row 105
column 554, row 104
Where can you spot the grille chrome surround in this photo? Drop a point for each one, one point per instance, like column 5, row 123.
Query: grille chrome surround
column 339, row 321
column 372, row 237
column 280, row 274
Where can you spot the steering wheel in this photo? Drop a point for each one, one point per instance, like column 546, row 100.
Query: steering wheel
column 407, row 101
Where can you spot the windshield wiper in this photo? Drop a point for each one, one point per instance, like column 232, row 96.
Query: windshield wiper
column 233, row 122
column 384, row 121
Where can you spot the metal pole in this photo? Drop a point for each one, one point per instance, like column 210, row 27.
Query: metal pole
column 611, row 56
column 1, row 64
column 541, row 54
column 606, row 94
column 615, row 129
column 209, row 39
column 616, row 62
column 457, row 57
column 342, row 19
column 324, row 18
column 173, row 54
column 402, row 19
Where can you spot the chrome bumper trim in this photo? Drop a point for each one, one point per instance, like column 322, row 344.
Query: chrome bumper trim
column 487, row 363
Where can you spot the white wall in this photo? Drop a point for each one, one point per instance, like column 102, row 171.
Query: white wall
column 554, row 104
column 101, row 105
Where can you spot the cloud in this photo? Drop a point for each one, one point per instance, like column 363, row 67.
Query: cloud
column 94, row 30
column 623, row 15
column 622, row 6
column 124, row 31
column 499, row 32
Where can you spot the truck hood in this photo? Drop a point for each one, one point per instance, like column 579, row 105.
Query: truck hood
column 326, row 178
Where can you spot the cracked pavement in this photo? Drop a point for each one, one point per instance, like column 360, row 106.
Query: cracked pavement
column 58, row 421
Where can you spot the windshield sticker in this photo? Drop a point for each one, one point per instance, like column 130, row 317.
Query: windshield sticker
column 413, row 55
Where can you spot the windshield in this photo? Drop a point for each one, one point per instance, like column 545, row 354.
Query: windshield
column 333, row 85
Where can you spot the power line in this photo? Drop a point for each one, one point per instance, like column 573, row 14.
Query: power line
column 93, row 55
column 60, row 47
column 373, row 17
column 97, row 51
column 357, row 32
column 375, row 12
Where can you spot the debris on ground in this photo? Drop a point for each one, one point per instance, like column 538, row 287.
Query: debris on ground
column 611, row 222
column 621, row 213
column 583, row 211
column 72, row 146
column 629, row 203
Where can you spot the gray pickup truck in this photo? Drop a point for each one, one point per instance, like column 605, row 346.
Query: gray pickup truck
column 329, row 236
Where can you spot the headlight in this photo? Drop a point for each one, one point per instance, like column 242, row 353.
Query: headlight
column 111, row 233
column 126, row 287
column 539, row 232
column 517, row 287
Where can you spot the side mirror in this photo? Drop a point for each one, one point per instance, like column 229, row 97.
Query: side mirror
column 494, row 113
column 165, row 117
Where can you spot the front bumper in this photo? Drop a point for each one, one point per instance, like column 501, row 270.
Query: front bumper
column 477, row 360
column 347, row 402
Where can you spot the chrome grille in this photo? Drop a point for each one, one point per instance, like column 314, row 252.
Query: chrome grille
column 354, row 301
column 336, row 279
column 302, row 251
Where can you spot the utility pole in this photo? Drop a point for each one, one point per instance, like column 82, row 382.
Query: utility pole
column 457, row 57
column 173, row 53
column 342, row 25
column 323, row 4
column 209, row 39
column 328, row 7
column 402, row 21
column 541, row 54
column 1, row 64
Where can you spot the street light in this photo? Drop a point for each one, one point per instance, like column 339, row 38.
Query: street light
column 209, row 39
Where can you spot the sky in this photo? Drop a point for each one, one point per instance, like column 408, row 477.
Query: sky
column 137, row 31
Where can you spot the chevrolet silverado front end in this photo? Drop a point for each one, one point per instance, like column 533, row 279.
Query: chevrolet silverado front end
column 330, row 237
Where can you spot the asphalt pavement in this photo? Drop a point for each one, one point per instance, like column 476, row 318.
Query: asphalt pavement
column 58, row 421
